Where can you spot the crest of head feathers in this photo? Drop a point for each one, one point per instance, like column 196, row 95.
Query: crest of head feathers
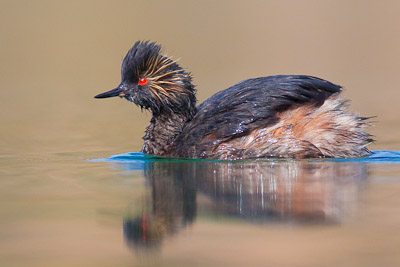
column 160, row 83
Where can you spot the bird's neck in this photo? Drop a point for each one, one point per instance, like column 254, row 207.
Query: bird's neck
column 162, row 131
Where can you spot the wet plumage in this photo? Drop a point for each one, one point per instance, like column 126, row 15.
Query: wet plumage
column 293, row 116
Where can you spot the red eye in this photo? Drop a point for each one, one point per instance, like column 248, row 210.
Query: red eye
column 142, row 81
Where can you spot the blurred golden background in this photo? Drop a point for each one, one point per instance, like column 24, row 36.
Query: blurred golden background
column 56, row 55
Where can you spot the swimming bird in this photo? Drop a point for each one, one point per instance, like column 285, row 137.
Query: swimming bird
column 282, row 116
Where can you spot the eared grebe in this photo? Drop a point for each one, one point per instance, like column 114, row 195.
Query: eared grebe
column 290, row 116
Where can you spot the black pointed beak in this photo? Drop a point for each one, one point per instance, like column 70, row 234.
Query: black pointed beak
column 119, row 91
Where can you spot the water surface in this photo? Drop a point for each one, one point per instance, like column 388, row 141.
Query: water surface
column 134, row 210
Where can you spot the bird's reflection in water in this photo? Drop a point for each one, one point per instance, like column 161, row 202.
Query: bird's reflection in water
column 262, row 191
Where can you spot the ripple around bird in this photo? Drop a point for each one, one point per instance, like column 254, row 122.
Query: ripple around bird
column 137, row 159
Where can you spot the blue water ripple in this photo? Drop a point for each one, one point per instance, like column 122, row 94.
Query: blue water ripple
column 138, row 161
column 377, row 156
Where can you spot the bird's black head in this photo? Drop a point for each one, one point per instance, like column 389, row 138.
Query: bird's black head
column 153, row 81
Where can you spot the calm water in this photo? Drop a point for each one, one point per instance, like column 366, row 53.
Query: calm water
column 135, row 210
